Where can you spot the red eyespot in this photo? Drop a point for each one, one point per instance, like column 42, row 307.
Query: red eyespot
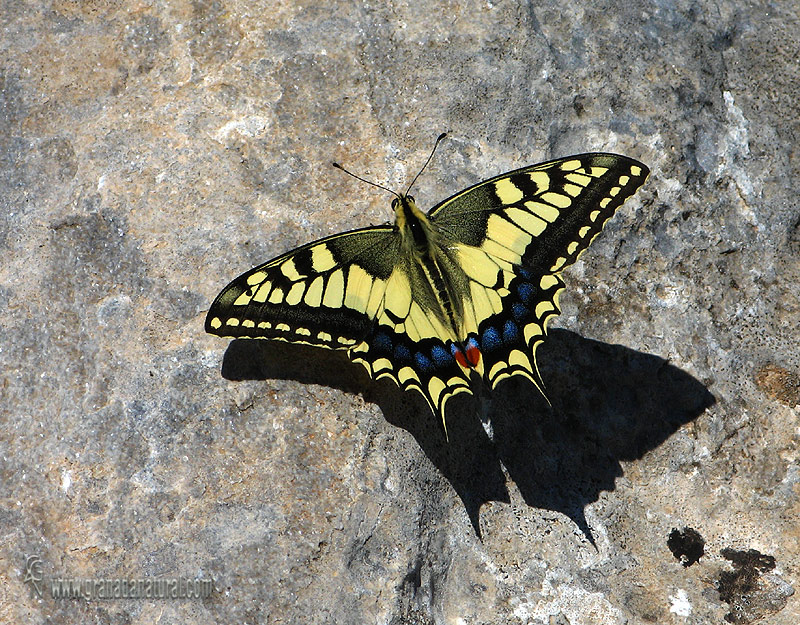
column 470, row 358
column 473, row 354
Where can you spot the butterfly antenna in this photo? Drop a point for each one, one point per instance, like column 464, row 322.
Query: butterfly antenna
column 435, row 145
column 374, row 184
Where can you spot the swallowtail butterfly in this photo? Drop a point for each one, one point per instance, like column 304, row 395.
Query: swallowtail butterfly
column 467, row 287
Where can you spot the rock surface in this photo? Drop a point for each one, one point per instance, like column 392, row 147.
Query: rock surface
column 151, row 152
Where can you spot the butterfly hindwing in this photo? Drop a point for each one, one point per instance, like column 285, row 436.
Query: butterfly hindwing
column 530, row 224
column 425, row 365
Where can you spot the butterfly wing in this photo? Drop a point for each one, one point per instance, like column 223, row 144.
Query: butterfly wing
column 503, row 243
column 514, row 234
column 326, row 293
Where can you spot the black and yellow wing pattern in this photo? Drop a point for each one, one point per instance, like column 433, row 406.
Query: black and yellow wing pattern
column 468, row 287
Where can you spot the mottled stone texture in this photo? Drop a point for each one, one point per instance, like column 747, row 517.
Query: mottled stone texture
column 151, row 151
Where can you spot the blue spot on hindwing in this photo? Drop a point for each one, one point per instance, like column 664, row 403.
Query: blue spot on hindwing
column 423, row 363
column 382, row 342
column 490, row 339
column 401, row 354
column 519, row 311
column 526, row 292
column 441, row 356
column 510, row 332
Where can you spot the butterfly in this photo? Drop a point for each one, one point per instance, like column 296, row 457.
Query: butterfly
column 466, row 288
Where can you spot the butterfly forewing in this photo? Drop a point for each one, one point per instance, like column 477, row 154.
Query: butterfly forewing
column 325, row 293
column 350, row 291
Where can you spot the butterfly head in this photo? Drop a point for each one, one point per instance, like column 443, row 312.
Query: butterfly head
column 402, row 199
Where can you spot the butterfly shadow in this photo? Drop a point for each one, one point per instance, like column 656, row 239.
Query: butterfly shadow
column 608, row 405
